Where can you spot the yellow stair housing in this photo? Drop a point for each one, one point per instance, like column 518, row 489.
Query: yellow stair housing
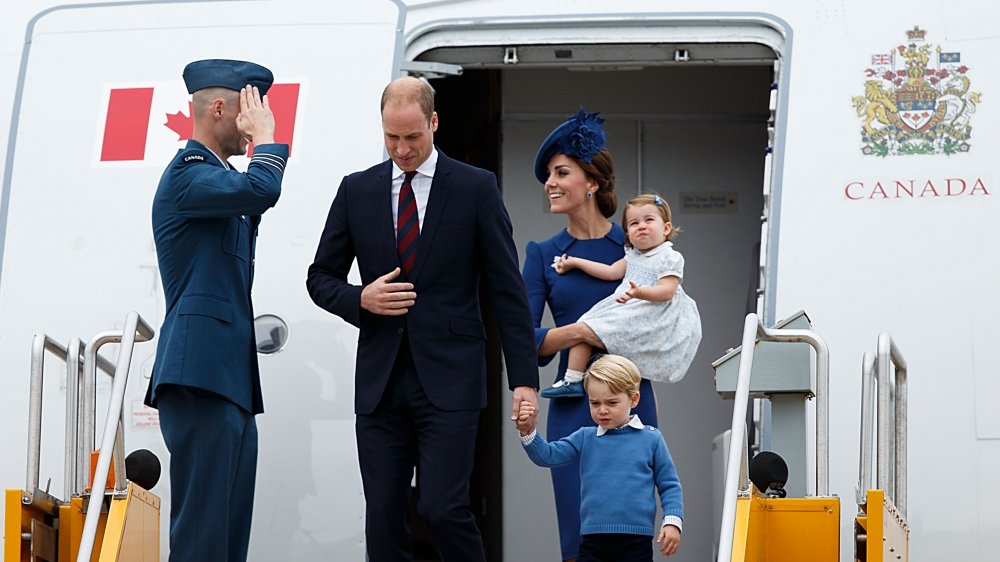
column 880, row 531
column 133, row 530
column 786, row 529
column 128, row 532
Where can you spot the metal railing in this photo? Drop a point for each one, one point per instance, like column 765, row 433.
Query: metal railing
column 891, row 432
column 736, row 466
column 136, row 330
column 41, row 344
column 88, row 413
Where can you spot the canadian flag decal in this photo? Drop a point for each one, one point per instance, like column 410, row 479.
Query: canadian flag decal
column 182, row 124
column 126, row 124
column 149, row 123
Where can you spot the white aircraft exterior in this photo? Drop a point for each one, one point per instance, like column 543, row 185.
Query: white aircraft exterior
column 864, row 134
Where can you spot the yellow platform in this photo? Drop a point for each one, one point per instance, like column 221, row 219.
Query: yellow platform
column 128, row 532
column 132, row 533
column 28, row 531
column 787, row 529
column 880, row 530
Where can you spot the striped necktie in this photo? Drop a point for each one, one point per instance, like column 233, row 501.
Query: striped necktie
column 407, row 224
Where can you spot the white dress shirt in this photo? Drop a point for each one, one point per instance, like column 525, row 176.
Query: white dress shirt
column 421, row 185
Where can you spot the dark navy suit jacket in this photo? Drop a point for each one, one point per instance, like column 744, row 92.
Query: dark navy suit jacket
column 205, row 221
column 466, row 240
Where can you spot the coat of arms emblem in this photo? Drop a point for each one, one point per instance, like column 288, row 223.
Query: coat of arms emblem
column 916, row 101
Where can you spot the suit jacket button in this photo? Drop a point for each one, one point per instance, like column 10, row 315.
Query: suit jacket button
column 399, row 330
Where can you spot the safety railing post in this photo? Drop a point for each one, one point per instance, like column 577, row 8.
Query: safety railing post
column 74, row 349
column 754, row 330
column 136, row 330
column 867, row 415
column 86, row 406
column 892, row 420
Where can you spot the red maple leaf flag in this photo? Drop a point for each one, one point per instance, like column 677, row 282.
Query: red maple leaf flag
column 182, row 124
column 146, row 124
column 126, row 124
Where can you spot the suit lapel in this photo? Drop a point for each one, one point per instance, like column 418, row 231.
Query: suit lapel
column 440, row 187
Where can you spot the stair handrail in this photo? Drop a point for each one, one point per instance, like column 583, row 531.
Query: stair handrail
column 74, row 415
column 42, row 343
column 75, row 350
column 39, row 345
column 875, row 370
column 86, row 442
column 136, row 330
column 867, row 416
column 736, row 466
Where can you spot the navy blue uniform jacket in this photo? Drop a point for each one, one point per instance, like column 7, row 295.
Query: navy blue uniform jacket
column 205, row 221
column 466, row 240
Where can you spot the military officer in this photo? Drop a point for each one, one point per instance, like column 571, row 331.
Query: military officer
column 205, row 381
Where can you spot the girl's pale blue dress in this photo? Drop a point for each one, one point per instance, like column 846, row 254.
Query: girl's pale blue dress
column 661, row 338
column 568, row 296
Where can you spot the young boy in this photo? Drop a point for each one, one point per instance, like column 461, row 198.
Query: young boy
column 621, row 461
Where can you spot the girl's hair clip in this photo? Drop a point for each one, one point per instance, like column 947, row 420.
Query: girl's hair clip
column 657, row 200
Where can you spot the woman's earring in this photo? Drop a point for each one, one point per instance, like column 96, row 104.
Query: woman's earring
column 590, row 195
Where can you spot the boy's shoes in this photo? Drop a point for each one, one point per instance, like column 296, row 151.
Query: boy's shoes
column 563, row 389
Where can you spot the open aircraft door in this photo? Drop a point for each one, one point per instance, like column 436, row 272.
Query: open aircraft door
column 100, row 110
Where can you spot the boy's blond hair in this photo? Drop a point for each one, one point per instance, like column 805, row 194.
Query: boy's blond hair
column 620, row 374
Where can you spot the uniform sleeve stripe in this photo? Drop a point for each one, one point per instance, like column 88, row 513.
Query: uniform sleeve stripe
column 272, row 164
column 270, row 159
column 276, row 159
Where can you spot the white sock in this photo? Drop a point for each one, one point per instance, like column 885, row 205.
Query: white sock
column 573, row 376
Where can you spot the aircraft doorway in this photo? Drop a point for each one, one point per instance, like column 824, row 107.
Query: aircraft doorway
column 694, row 133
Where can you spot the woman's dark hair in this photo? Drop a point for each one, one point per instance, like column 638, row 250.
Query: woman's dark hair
column 601, row 169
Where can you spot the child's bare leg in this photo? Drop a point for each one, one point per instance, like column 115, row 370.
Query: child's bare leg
column 571, row 385
column 579, row 354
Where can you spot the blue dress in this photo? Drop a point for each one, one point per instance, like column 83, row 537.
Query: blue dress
column 568, row 297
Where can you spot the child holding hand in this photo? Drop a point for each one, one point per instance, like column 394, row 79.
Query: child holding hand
column 621, row 462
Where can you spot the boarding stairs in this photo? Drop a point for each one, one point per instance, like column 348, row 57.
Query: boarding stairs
column 788, row 365
column 120, row 524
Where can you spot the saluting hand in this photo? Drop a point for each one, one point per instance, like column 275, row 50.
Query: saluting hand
column 386, row 298
column 255, row 121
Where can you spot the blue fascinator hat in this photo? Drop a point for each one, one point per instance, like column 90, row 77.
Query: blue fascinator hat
column 581, row 136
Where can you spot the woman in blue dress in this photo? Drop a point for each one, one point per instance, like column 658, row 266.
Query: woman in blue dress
column 577, row 173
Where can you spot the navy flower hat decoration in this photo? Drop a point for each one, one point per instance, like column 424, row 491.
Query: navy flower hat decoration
column 581, row 136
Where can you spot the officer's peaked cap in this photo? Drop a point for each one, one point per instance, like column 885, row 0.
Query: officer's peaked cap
column 229, row 74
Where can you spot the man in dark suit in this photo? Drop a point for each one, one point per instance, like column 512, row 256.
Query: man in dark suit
column 205, row 381
column 427, row 231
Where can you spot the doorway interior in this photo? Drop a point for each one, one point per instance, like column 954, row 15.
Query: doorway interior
column 693, row 131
